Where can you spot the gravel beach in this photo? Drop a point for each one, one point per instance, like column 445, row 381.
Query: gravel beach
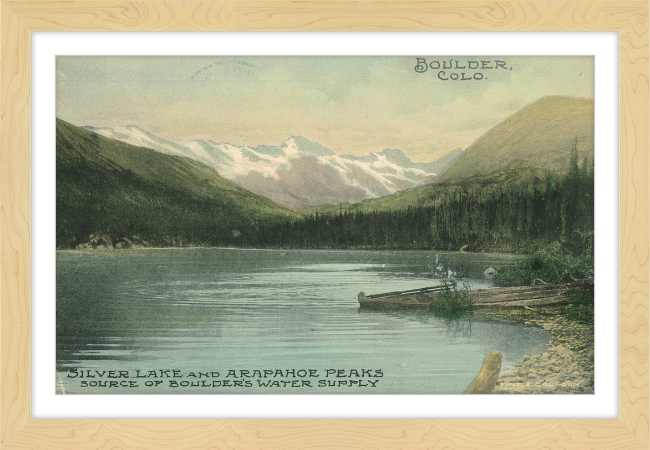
column 565, row 367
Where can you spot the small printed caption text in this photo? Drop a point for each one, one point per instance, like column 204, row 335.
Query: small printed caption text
column 269, row 378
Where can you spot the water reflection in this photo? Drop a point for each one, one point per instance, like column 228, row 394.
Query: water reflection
column 459, row 328
column 209, row 309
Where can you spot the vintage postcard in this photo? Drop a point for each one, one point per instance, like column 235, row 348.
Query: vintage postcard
column 325, row 225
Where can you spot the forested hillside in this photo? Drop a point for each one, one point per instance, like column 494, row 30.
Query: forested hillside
column 120, row 193
column 516, row 210
column 126, row 194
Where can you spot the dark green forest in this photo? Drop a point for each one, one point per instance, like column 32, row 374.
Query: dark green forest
column 519, row 215
column 117, row 195
column 109, row 192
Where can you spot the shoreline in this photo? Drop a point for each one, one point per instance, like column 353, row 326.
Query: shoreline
column 565, row 367
column 332, row 250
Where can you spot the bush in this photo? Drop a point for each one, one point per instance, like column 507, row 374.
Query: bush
column 581, row 308
column 453, row 302
column 546, row 267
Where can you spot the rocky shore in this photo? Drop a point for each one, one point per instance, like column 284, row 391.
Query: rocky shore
column 566, row 367
column 105, row 242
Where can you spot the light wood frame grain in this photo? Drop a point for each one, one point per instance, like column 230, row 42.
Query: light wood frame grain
column 19, row 430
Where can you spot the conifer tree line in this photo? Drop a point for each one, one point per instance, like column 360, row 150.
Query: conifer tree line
column 494, row 215
column 491, row 213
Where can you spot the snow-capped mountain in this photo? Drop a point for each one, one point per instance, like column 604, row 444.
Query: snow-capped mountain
column 134, row 135
column 298, row 173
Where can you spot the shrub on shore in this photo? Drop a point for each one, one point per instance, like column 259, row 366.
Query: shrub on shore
column 554, row 266
column 453, row 302
column 546, row 268
column 581, row 308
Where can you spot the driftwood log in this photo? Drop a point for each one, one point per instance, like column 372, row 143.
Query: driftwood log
column 486, row 379
column 508, row 297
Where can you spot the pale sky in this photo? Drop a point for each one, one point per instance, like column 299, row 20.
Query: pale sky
column 351, row 105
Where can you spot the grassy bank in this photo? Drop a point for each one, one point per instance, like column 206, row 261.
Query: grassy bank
column 546, row 267
column 555, row 265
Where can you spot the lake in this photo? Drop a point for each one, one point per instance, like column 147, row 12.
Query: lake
column 289, row 320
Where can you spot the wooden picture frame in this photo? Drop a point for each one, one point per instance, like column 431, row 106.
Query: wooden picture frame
column 19, row 19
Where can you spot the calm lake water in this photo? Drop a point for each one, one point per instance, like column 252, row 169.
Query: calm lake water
column 204, row 312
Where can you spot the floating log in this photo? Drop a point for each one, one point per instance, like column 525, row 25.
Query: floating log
column 508, row 297
column 424, row 290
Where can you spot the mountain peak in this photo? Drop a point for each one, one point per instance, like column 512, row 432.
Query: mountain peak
column 561, row 98
column 132, row 130
column 307, row 146
column 396, row 156
column 392, row 151
column 135, row 128
column 299, row 172
column 542, row 134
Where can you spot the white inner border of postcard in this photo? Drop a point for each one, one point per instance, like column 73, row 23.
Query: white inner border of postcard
column 46, row 45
